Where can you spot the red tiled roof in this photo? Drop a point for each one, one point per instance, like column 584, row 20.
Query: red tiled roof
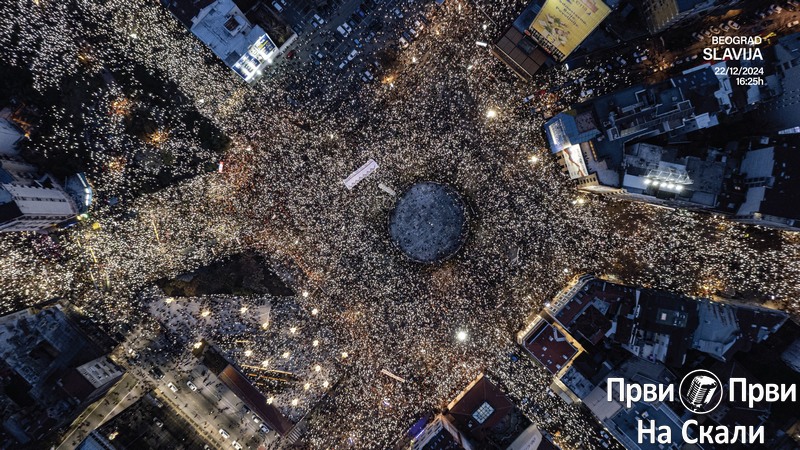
column 549, row 346
column 481, row 391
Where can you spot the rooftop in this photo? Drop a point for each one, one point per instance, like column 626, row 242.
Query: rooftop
column 550, row 347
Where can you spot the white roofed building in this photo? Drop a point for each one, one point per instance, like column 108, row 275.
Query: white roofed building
column 31, row 200
column 223, row 27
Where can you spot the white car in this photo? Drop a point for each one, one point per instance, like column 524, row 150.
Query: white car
column 403, row 42
column 277, row 6
column 347, row 27
column 191, row 386
column 318, row 19
column 733, row 25
column 352, row 55
column 224, row 433
column 342, row 31
column 236, row 445
column 264, row 428
column 172, row 388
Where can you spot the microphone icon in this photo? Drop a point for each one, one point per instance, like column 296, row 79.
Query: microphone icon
column 701, row 391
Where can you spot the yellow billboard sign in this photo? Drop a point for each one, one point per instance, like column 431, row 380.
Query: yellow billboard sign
column 562, row 25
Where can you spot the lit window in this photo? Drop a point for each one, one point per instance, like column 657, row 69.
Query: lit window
column 483, row 412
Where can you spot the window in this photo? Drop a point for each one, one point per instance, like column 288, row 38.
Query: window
column 232, row 24
column 483, row 412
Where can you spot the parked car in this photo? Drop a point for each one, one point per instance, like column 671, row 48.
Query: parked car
column 403, row 42
column 224, row 433
column 191, row 386
column 277, row 6
column 172, row 387
column 352, row 55
column 236, row 445
column 318, row 19
column 264, row 429
column 342, row 31
column 733, row 25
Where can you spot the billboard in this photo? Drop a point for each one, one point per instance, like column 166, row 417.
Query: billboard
column 562, row 25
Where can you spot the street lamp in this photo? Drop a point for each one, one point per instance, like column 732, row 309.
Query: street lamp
column 461, row 335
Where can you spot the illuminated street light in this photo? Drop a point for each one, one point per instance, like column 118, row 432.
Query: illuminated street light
column 325, row 383
column 491, row 114
column 314, row 312
column 169, row 300
column 315, row 342
column 317, row 368
column 345, row 355
column 293, row 330
column 205, row 313
column 306, row 386
column 286, row 355
column 248, row 353
column 265, row 363
column 295, row 402
column 305, row 294
column 481, row 44
column 461, row 335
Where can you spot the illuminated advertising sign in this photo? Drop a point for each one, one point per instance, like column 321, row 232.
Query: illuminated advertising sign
column 562, row 25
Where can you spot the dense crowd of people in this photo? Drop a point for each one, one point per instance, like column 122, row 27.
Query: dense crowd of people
column 450, row 113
